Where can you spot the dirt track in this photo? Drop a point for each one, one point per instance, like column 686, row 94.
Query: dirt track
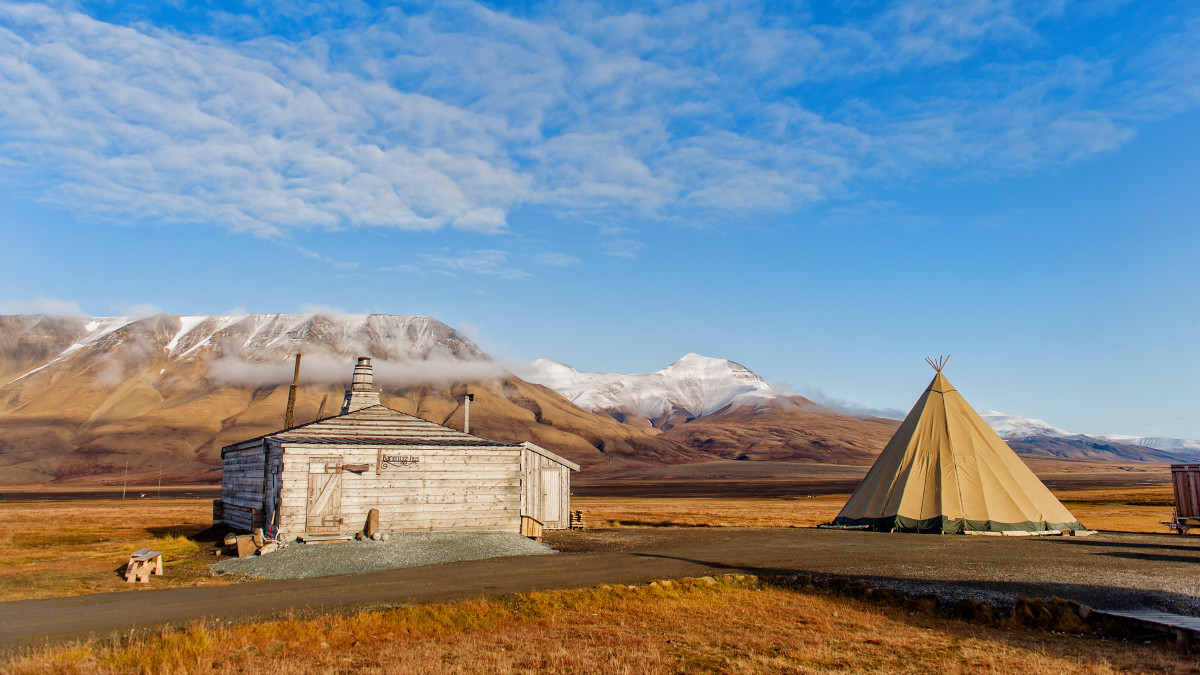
column 1107, row 571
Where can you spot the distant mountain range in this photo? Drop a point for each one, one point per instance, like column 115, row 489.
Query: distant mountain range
column 720, row 407
column 701, row 392
column 692, row 387
column 82, row 398
column 1038, row 438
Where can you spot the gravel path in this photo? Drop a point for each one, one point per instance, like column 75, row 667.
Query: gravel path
column 305, row 561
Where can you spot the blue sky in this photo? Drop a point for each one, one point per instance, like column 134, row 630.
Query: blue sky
column 824, row 192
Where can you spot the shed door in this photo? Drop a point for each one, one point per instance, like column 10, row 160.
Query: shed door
column 551, row 496
column 324, row 497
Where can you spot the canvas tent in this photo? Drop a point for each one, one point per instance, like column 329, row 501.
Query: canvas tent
column 945, row 470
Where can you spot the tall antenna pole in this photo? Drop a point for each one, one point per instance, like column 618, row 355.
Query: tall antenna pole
column 126, row 483
column 289, row 418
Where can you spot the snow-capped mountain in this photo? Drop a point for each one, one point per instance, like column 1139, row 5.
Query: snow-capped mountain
column 1173, row 445
column 1037, row 437
column 35, row 346
column 1015, row 426
column 691, row 387
column 83, row 397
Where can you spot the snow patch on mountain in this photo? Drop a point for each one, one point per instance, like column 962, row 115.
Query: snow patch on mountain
column 1175, row 445
column 256, row 349
column 695, row 384
column 1015, row 426
column 96, row 329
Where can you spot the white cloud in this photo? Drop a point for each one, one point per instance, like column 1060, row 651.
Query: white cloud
column 324, row 368
column 486, row 262
column 487, row 221
column 454, row 115
column 136, row 310
column 316, row 308
column 313, row 255
column 41, row 305
column 557, row 259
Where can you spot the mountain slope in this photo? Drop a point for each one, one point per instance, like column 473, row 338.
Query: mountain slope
column 722, row 408
column 789, row 428
column 82, row 396
column 1037, row 438
column 1177, row 446
column 689, row 388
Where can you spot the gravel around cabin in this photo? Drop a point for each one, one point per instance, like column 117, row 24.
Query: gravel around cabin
column 415, row 549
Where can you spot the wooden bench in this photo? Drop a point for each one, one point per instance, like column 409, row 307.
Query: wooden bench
column 531, row 527
column 142, row 563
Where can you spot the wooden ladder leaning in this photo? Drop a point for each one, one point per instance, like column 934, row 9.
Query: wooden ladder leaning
column 577, row 520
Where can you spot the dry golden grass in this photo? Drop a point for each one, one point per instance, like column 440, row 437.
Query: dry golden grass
column 1139, row 508
column 1125, row 509
column 58, row 548
column 1135, row 495
column 728, row 627
column 708, row 511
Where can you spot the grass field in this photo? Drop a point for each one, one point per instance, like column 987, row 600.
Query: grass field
column 59, row 548
column 726, row 626
column 1128, row 509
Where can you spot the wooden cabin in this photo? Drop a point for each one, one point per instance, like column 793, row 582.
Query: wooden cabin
column 324, row 477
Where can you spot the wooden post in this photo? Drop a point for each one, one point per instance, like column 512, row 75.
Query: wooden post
column 289, row 417
column 160, row 465
column 372, row 523
column 126, row 483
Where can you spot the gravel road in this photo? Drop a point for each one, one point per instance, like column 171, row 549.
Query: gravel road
column 305, row 561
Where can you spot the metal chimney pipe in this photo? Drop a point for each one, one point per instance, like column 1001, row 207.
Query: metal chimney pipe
column 364, row 380
column 467, row 413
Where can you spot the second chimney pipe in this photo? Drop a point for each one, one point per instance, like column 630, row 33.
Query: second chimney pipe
column 467, row 413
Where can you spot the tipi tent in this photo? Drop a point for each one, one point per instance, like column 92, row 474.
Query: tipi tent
column 945, row 470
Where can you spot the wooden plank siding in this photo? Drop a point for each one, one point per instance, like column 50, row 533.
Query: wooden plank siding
column 242, row 487
column 538, row 469
column 446, row 489
column 1186, row 481
column 328, row 475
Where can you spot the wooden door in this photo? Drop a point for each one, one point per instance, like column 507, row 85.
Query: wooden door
column 551, row 497
column 324, row 497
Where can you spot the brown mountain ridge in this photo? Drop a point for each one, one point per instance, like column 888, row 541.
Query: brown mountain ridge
column 85, row 397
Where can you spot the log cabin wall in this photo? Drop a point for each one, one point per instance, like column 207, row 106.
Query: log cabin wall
column 324, row 477
column 330, row 488
column 242, row 486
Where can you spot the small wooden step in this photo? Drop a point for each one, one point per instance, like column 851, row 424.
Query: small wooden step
column 1184, row 628
column 324, row 538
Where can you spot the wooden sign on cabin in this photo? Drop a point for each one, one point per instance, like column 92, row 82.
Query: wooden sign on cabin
column 387, row 461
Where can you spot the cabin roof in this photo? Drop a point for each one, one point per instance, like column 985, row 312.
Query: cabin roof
column 373, row 425
column 392, row 440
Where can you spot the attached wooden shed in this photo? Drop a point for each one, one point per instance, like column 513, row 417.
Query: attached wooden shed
column 324, row 477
